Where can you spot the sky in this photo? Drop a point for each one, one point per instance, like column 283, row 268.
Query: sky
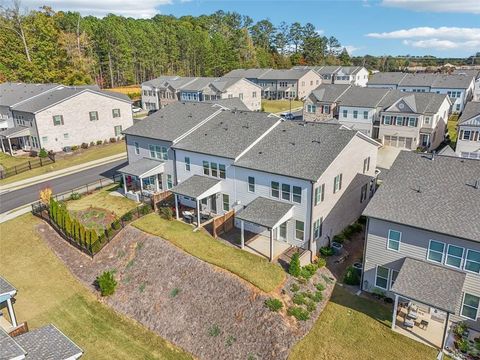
column 443, row 28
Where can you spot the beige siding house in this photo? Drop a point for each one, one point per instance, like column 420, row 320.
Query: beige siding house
column 423, row 245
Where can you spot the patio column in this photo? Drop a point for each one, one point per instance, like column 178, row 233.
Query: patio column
column 3, row 146
column 141, row 184
column 198, row 213
column 11, row 313
column 176, row 207
column 394, row 317
column 242, row 234
column 10, row 146
column 124, row 184
column 271, row 245
column 445, row 333
column 157, row 185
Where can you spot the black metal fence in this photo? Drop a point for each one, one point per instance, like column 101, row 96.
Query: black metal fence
column 88, row 188
column 28, row 165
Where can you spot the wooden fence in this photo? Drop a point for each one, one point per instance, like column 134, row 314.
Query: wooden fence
column 223, row 223
column 28, row 165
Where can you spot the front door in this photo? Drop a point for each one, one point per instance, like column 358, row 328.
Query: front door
column 282, row 232
column 213, row 203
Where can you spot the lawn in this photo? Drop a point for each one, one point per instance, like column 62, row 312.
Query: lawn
column 80, row 157
column 275, row 106
column 452, row 129
column 353, row 328
column 103, row 199
column 8, row 161
column 132, row 91
column 48, row 293
column 250, row 267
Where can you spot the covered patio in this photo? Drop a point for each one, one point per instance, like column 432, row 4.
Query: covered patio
column 425, row 296
column 199, row 193
column 143, row 175
column 271, row 215
column 16, row 138
column 7, row 293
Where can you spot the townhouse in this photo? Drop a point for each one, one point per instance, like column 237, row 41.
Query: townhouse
column 164, row 90
column 280, row 84
column 476, row 75
column 459, row 87
column 468, row 141
column 399, row 119
column 65, row 116
column 353, row 75
column 422, row 245
column 297, row 183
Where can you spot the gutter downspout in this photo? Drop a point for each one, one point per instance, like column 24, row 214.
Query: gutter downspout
column 312, row 255
column 364, row 252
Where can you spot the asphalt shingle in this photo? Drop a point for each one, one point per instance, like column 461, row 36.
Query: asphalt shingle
column 471, row 110
column 264, row 212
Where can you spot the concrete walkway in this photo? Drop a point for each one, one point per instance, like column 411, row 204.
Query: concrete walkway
column 59, row 173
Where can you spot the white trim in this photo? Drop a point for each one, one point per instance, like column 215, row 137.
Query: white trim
column 466, row 259
column 399, row 240
column 463, row 304
column 376, row 275
column 456, row 257
column 443, row 252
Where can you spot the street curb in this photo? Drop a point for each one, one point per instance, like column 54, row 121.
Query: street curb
column 59, row 173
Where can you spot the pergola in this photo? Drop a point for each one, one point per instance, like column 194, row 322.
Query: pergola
column 142, row 169
column 430, row 284
column 7, row 292
column 13, row 133
column 196, row 187
column 267, row 213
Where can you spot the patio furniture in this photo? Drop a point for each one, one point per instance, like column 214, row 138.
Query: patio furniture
column 423, row 324
column 408, row 323
column 412, row 312
column 188, row 216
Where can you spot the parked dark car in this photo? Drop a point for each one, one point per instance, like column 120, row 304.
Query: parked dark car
column 151, row 112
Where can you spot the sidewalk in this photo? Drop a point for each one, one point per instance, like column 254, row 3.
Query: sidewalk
column 58, row 173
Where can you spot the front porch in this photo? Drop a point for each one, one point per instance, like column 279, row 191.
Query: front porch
column 16, row 139
column 142, row 177
column 7, row 293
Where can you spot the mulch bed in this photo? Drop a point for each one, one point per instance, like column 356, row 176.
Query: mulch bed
column 205, row 310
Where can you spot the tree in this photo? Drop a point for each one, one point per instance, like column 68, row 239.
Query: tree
column 263, row 33
column 45, row 195
column 344, row 57
column 296, row 35
column 12, row 19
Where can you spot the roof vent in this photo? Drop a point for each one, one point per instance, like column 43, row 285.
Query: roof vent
column 190, row 115
column 292, row 143
column 260, row 152
column 477, row 184
column 316, row 141
column 284, row 130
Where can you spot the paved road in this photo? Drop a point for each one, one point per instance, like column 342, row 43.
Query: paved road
column 27, row 195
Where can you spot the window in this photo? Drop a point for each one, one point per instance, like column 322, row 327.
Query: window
column 436, row 250
column 206, row 168
column 299, row 230
column 393, row 241
column 214, row 169
column 317, row 228
column 222, row 171
column 240, row 95
column 311, row 108
column 254, row 94
column 286, row 192
column 363, row 195
column 44, row 139
column 169, row 181
column 251, row 184
column 399, row 121
column 337, row 183
column 366, row 165
column 297, row 194
column 466, row 135
column 57, row 120
column 454, row 256
column 116, row 113
column 93, row 115
column 187, row 163
column 472, row 261
column 65, row 136
column 326, row 109
column 365, row 115
column 386, row 120
column 345, row 113
column 137, row 148
column 355, row 114
column 275, row 189
column 393, row 277
column 381, row 278
column 118, row 130
column 427, row 120
column 319, row 194
column 412, row 122
column 226, row 202
column 158, row 152
column 283, row 230
column 470, row 306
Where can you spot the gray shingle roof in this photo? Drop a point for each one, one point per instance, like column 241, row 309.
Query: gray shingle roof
column 228, row 134
column 195, row 186
column 172, row 121
column 47, row 343
column 232, row 103
column 445, row 81
column 350, row 70
column 288, row 74
column 446, row 203
column 140, row 167
column 421, row 103
column 471, row 110
column 454, row 81
column 298, row 149
column 386, row 78
column 420, row 79
column 363, row 96
column 264, row 212
column 198, row 84
column 247, row 73
column 6, row 287
column 9, row 349
column 60, row 94
column 328, row 70
column 329, row 93
column 159, row 81
column 430, row 284
column 13, row 93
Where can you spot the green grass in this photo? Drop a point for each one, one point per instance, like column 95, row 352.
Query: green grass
column 104, row 200
column 8, row 161
column 250, row 267
column 275, row 106
column 452, row 129
column 91, row 154
column 48, row 293
column 353, row 328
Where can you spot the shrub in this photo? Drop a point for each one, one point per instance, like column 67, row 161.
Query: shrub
column 310, row 269
column 316, row 296
column 230, row 340
column 92, row 143
column 299, row 299
column 174, row 292
column 356, row 227
column 298, row 313
column 340, row 238
column 43, row 153
column 311, row 306
column 294, row 268
column 74, row 148
column 75, row 196
column 214, row 330
column 304, row 273
column 166, row 213
column 99, row 142
column 351, row 276
column 145, row 209
column 127, row 217
column 107, row 283
column 320, row 287
column 273, row 304
column 141, row 288
column 116, row 225
column 326, row 251
column 321, row 262
column 112, row 140
column 105, row 141
column 294, row 288
column 84, row 146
